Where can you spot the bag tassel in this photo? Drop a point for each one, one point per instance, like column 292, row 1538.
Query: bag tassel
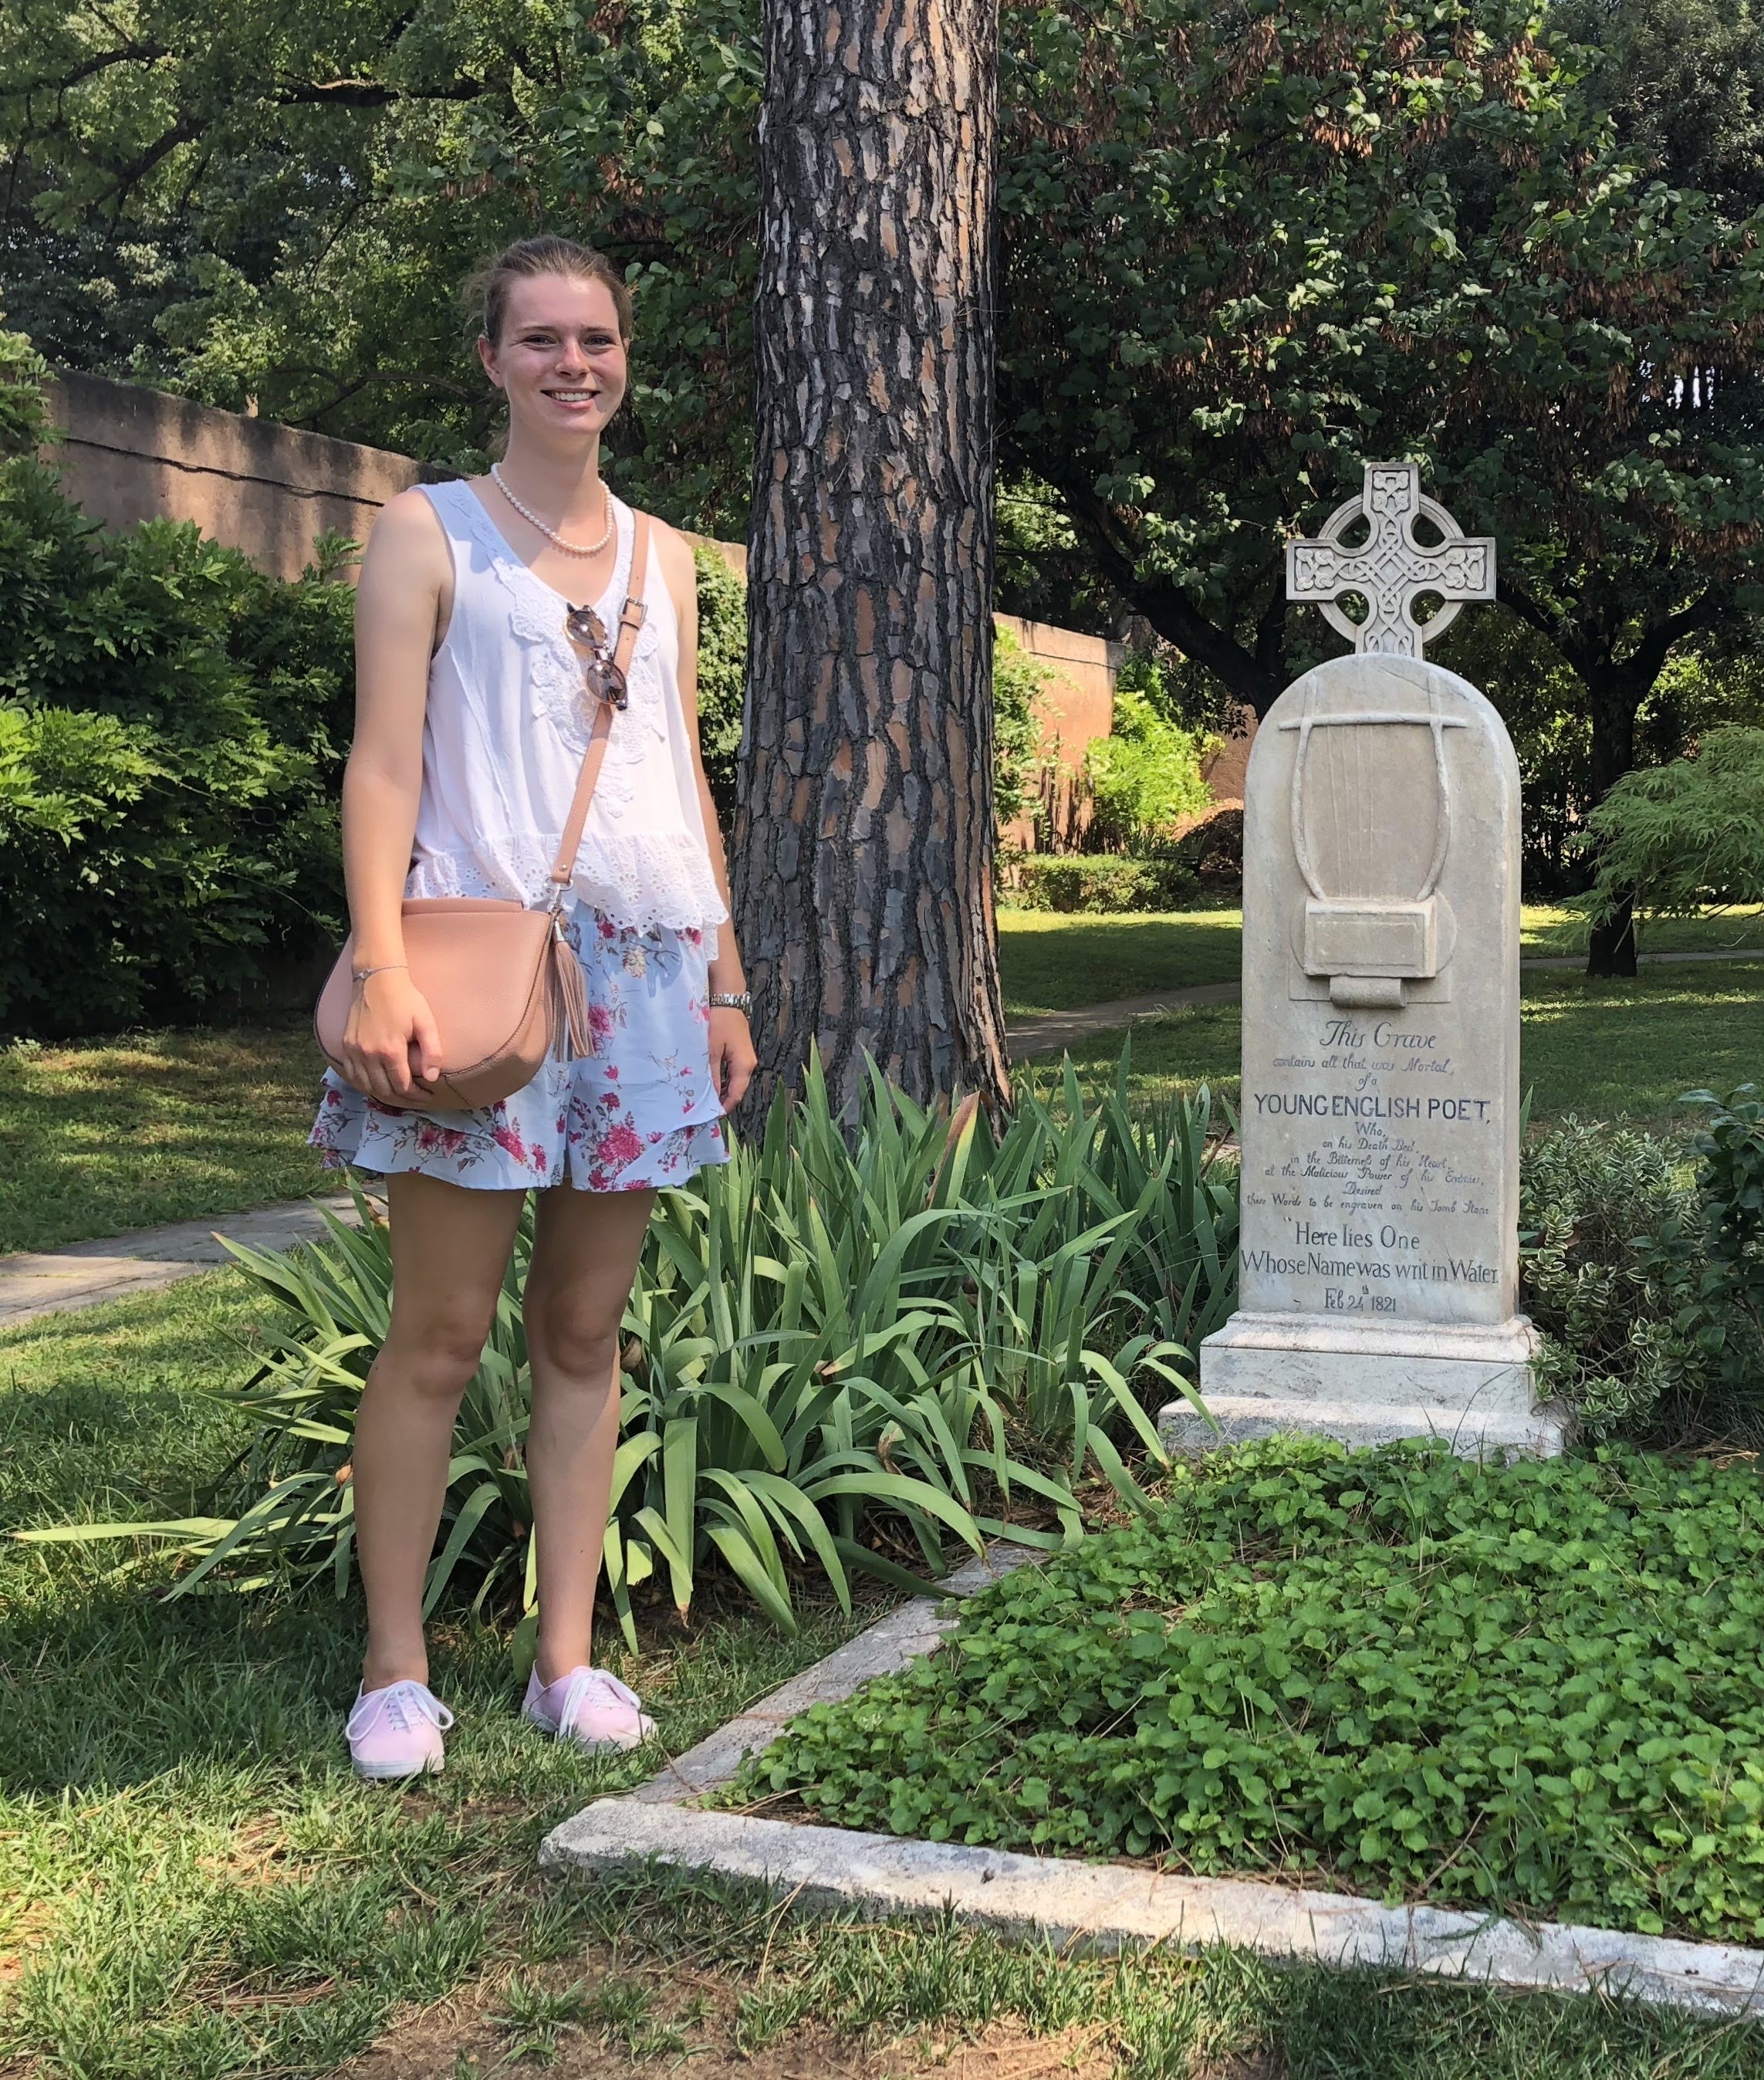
column 569, row 998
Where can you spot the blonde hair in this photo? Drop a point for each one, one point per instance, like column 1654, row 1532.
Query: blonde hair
column 486, row 291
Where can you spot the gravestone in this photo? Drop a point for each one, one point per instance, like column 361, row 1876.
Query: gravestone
column 1379, row 1119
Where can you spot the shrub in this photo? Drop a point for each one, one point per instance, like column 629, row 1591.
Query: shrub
column 1682, row 837
column 171, row 731
column 1019, row 753
column 1709, row 1262
column 24, row 418
column 722, row 652
column 1145, row 776
column 1533, row 1687
column 1590, row 1197
column 836, row 1358
column 1649, row 1291
column 1099, row 884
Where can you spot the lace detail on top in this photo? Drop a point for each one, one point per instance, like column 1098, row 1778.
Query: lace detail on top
column 554, row 665
column 643, row 878
column 508, row 720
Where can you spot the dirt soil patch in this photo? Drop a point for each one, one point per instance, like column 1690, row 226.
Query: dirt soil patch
column 686, row 2021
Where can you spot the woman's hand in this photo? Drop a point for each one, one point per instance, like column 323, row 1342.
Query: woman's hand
column 390, row 1040
column 732, row 1057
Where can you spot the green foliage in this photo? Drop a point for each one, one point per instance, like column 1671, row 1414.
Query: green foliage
column 1531, row 1687
column 24, row 418
column 1100, row 884
column 1145, row 776
column 172, row 725
column 1590, row 1197
column 836, row 1357
column 233, row 201
column 722, row 657
column 1684, row 837
column 1019, row 755
column 1711, row 1266
column 1649, row 1289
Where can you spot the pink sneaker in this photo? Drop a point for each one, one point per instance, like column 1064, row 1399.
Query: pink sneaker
column 397, row 1731
column 589, row 1707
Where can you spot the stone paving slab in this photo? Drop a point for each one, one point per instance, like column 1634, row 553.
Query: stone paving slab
column 1099, row 1908
column 83, row 1274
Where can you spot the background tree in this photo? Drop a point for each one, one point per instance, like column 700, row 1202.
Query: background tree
column 1291, row 240
column 240, row 202
column 863, row 851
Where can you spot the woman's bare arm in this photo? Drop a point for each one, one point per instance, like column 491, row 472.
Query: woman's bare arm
column 400, row 607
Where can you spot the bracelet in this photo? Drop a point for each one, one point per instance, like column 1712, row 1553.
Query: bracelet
column 731, row 999
column 359, row 975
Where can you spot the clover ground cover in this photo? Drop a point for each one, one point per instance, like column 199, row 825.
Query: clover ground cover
column 1537, row 1687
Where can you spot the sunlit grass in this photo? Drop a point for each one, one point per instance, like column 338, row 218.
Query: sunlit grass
column 99, row 1137
column 1055, row 964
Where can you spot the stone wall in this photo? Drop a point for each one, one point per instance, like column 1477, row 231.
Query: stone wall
column 128, row 454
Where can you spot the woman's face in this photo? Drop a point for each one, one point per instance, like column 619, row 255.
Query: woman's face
column 560, row 360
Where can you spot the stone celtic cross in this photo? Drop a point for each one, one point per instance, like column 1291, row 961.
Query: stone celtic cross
column 1391, row 569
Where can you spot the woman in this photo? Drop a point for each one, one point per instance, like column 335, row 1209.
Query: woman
column 472, row 718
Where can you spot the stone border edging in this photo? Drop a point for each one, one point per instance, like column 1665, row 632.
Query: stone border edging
column 1099, row 1908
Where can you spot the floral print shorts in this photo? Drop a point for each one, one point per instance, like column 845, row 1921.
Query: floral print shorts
column 642, row 1110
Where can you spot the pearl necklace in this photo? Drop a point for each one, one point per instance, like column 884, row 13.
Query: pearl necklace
column 569, row 548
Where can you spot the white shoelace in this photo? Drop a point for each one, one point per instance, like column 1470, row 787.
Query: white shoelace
column 403, row 1704
column 593, row 1686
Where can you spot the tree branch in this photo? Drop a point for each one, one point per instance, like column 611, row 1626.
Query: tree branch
column 99, row 61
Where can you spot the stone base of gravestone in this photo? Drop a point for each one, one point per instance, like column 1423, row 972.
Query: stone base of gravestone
column 1379, row 1118
column 1469, row 1385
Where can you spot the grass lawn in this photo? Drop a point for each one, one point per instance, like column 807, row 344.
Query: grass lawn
column 172, row 1126
column 194, row 1887
column 99, row 1137
column 1053, row 963
column 1601, row 1048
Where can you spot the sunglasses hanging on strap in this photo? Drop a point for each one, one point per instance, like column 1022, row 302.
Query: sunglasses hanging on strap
column 604, row 667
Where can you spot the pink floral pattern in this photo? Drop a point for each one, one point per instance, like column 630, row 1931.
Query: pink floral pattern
column 641, row 1110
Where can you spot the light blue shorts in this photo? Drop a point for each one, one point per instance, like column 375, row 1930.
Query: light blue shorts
column 642, row 1110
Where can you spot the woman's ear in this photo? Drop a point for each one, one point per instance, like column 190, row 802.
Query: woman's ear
column 487, row 355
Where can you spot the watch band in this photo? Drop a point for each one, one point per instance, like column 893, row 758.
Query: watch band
column 732, row 1000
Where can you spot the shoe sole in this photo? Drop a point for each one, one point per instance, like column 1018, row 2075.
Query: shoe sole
column 385, row 1773
column 606, row 1746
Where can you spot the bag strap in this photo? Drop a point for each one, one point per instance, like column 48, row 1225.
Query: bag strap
column 630, row 619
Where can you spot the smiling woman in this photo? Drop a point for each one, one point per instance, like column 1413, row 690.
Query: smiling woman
column 511, row 756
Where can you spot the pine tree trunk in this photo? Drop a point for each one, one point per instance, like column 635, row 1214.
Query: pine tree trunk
column 863, row 845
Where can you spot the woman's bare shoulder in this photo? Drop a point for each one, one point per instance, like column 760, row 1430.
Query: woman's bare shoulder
column 673, row 551
column 408, row 536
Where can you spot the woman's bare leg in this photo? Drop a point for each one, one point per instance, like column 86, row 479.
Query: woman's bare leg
column 450, row 1247
column 585, row 1257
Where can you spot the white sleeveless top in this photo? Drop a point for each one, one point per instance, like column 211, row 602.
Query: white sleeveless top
column 507, row 722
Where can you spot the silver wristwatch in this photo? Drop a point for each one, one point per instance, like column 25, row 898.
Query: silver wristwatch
column 731, row 999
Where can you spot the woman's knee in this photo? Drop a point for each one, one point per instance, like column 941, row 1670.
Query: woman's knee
column 436, row 1354
column 569, row 1333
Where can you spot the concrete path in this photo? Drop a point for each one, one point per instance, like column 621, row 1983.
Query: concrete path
column 1053, row 1032
column 85, row 1273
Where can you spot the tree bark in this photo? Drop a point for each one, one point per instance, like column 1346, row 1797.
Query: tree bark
column 864, row 841
column 1617, row 694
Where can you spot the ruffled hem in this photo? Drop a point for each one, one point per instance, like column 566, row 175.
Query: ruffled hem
column 486, row 1151
column 642, row 880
